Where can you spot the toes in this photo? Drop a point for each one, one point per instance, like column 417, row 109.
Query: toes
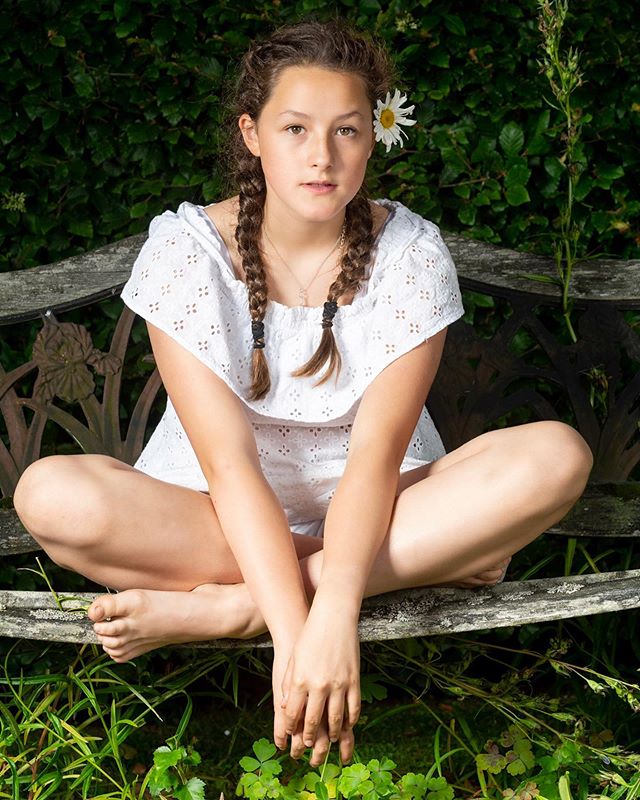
column 114, row 628
column 113, row 642
column 123, row 604
column 102, row 608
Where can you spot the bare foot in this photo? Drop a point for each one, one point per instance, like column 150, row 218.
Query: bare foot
column 488, row 578
column 135, row 621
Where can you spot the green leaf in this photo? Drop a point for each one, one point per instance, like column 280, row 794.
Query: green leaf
column 511, row 139
column 563, row 787
column 517, row 195
column 163, row 31
column 454, row 24
column 58, row 41
column 193, row 790
column 264, row 749
column 554, row 167
column 161, row 780
column 438, row 57
column 120, row 8
column 249, row 764
column 467, row 214
column 517, row 174
column 81, row 228
column 321, row 791
column 610, row 172
column 164, row 757
column 125, row 28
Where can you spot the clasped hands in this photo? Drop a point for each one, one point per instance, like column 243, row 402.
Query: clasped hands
column 316, row 687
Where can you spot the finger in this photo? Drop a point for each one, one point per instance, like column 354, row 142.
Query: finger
column 279, row 729
column 335, row 714
column 297, row 745
column 321, row 746
column 313, row 716
column 347, row 742
column 293, row 708
column 353, row 705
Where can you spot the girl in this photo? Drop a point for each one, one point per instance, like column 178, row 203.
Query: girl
column 271, row 496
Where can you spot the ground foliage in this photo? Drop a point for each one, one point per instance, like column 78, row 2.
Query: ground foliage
column 112, row 113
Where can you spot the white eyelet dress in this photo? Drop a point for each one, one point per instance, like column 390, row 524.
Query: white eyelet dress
column 183, row 282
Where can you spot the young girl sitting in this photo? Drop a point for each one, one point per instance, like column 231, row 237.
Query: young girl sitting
column 297, row 327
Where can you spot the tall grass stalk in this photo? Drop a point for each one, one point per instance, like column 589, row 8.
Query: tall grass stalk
column 564, row 77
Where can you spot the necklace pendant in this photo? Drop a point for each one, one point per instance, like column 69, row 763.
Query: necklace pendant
column 302, row 294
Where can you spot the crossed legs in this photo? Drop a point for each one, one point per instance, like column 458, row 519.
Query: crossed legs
column 458, row 517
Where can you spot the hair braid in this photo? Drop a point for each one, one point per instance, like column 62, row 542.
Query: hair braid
column 332, row 45
column 252, row 192
column 356, row 256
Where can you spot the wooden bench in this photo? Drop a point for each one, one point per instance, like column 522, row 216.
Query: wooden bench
column 511, row 366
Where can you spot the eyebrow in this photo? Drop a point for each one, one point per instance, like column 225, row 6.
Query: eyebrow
column 306, row 116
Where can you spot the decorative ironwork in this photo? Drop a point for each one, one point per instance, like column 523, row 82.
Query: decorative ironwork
column 484, row 381
column 62, row 354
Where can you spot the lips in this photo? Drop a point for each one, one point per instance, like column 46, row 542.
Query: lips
column 319, row 183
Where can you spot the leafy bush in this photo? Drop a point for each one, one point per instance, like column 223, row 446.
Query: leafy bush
column 112, row 114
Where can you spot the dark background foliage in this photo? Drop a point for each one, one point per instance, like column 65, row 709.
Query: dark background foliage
column 111, row 113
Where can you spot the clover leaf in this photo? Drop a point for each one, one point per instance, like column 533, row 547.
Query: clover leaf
column 492, row 761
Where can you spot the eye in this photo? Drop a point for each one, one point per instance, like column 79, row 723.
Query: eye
column 347, row 128
column 297, row 127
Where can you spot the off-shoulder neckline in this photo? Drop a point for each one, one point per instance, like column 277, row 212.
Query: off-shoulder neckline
column 392, row 205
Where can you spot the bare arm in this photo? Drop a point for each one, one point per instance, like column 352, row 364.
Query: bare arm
column 359, row 514
column 323, row 673
column 248, row 509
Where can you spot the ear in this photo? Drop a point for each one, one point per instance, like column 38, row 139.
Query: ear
column 249, row 134
column 373, row 143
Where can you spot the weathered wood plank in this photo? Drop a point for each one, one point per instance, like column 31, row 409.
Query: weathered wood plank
column 14, row 538
column 73, row 282
column 70, row 283
column 497, row 270
column 396, row 615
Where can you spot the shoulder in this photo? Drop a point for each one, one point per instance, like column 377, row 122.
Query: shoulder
column 224, row 215
column 380, row 214
column 417, row 235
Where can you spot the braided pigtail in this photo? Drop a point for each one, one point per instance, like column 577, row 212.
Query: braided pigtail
column 251, row 195
column 355, row 258
column 332, row 45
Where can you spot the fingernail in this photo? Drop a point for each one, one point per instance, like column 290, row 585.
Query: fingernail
column 333, row 739
column 309, row 742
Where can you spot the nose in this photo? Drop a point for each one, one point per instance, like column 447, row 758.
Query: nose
column 320, row 151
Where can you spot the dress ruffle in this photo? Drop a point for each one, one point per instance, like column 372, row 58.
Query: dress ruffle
column 183, row 283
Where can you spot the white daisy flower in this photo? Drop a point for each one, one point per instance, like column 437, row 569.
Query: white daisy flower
column 389, row 116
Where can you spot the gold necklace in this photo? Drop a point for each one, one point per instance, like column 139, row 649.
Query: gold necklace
column 302, row 291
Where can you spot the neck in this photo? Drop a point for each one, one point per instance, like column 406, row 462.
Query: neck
column 293, row 235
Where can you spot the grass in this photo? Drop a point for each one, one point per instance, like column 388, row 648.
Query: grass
column 75, row 725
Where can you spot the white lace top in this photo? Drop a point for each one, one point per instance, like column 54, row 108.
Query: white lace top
column 183, row 282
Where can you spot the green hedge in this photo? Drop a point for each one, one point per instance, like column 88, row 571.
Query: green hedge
column 111, row 114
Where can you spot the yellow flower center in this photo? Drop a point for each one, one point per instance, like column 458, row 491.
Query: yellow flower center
column 387, row 118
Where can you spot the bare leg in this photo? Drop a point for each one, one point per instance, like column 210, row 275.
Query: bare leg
column 456, row 517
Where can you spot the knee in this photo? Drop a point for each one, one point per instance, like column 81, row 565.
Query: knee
column 562, row 457
column 57, row 500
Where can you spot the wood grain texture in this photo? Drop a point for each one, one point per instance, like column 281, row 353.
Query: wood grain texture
column 396, row 615
column 101, row 273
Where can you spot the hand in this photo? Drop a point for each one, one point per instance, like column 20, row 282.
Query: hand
column 321, row 745
column 322, row 676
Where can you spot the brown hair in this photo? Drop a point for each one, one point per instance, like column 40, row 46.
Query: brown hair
column 331, row 45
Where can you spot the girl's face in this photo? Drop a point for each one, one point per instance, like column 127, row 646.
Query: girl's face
column 317, row 127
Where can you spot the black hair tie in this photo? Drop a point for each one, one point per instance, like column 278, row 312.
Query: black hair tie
column 257, row 329
column 330, row 308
